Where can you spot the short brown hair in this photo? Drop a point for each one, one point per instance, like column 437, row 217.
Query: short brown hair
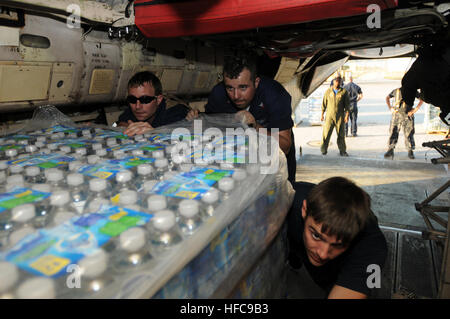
column 342, row 207
column 146, row 77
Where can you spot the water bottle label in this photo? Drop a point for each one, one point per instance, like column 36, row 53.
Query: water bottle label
column 131, row 161
column 191, row 185
column 20, row 196
column 44, row 160
column 49, row 251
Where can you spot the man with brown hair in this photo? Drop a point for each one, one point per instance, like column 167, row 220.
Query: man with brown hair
column 334, row 234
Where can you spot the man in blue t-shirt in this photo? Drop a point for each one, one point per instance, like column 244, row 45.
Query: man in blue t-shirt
column 355, row 95
column 147, row 106
column 258, row 101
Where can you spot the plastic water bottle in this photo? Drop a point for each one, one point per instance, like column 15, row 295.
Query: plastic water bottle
column 93, row 159
column 37, row 288
column 80, row 153
column 163, row 231
column 133, row 250
column 31, row 149
column 119, row 154
column 3, row 171
column 6, row 226
column 11, row 154
column 65, row 149
column 137, row 152
column 61, row 207
column 74, row 166
column 190, row 218
column 98, row 195
column 158, row 154
column 15, row 169
column 102, row 153
column 145, row 173
column 161, row 165
column 239, row 175
column 14, row 181
column 33, row 175
column 226, row 186
column 42, row 207
column 156, row 203
column 94, row 276
column 77, row 189
column 129, row 199
column 9, row 277
column 211, row 201
column 124, row 181
column 55, row 178
column 22, row 217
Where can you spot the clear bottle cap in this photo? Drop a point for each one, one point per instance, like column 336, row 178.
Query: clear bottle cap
column 128, row 197
column 124, row 176
column 39, row 144
column 211, row 196
column 54, row 175
column 239, row 174
column 97, row 146
column 186, row 167
column 101, row 152
column 178, row 159
column 31, row 148
column 32, row 171
column 75, row 179
column 188, row 208
column 62, row 217
column 132, row 239
column 161, row 163
column 65, row 149
column 41, row 139
column 37, row 288
column 9, row 274
column 15, row 169
column 95, row 264
column 59, row 198
column 75, row 165
column 163, row 220
column 158, row 154
column 52, row 146
column 156, row 202
column 23, row 213
column 97, row 184
column 11, row 152
column 3, row 165
column 81, row 151
column 110, row 141
column 226, row 184
column 144, row 169
column 93, row 159
column 19, row 234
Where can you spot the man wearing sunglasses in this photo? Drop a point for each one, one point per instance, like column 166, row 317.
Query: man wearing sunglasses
column 147, row 106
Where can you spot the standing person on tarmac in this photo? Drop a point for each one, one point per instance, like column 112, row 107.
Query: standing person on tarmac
column 336, row 103
column 402, row 115
column 356, row 95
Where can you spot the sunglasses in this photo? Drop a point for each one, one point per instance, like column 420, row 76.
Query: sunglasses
column 145, row 99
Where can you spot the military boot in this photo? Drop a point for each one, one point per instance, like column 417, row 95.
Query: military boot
column 389, row 154
column 411, row 154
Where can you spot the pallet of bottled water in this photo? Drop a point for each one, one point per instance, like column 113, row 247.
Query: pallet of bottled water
column 89, row 212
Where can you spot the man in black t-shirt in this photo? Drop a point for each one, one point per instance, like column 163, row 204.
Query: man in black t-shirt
column 258, row 101
column 333, row 233
column 147, row 106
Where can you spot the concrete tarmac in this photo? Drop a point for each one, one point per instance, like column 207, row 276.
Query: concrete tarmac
column 394, row 185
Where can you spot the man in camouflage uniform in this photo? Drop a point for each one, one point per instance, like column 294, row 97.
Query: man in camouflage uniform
column 336, row 104
column 402, row 116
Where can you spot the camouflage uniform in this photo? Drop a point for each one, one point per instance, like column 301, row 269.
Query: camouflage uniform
column 336, row 106
column 401, row 119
